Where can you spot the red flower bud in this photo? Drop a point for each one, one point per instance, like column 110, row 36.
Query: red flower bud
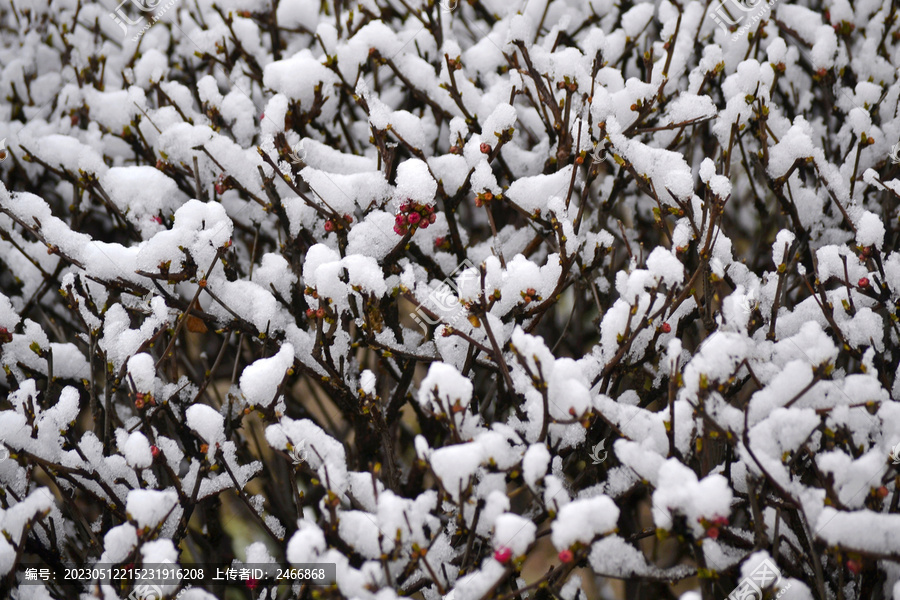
column 712, row 533
column 348, row 218
column 566, row 556
column 432, row 218
column 863, row 282
column 310, row 313
column 665, row 328
column 502, row 554
column 485, row 148
column 414, row 218
column 854, row 566
column 329, row 226
column 424, row 224
column 154, row 451
column 320, row 312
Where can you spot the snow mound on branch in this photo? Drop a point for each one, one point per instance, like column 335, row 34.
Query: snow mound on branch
column 583, row 519
column 260, row 381
column 148, row 508
column 208, row 423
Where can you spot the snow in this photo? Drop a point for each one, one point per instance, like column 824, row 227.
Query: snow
column 665, row 266
column 137, row 451
column 455, row 465
column 367, row 382
column 325, row 454
column 414, row 182
column 513, row 532
column 679, row 491
column 870, row 230
column 614, row 555
column 208, row 423
column 783, row 240
column 503, row 118
column 306, row 543
column 444, row 388
column 636, row 19
column 159, row 552
column 260, row 381
column 361, row 531
column 406, row 519
column 151, row 67
column 13, row 522
column 564, row 325
column 533, row 193
column 654, row 164
column 689, row 107
column 568, row 389
column 795, row 144
column 535, row 463
column 273, row 273
column 142, row 193
column 148, row 508
column 297, row 77
column 119, row 542
column 859, row 529
column 142, row 370
column 8, row 316
column 583, row 519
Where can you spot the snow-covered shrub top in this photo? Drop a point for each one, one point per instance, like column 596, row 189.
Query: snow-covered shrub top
column 459, row 296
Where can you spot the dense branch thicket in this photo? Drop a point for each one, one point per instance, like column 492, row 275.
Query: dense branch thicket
column 484, row 299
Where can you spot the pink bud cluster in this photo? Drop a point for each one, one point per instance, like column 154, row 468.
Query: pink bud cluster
column 334, row 224
column 413, row 215
column 221, row 184
column 713, row 527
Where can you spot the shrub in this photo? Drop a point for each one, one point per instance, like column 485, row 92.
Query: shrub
column 470, row 299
